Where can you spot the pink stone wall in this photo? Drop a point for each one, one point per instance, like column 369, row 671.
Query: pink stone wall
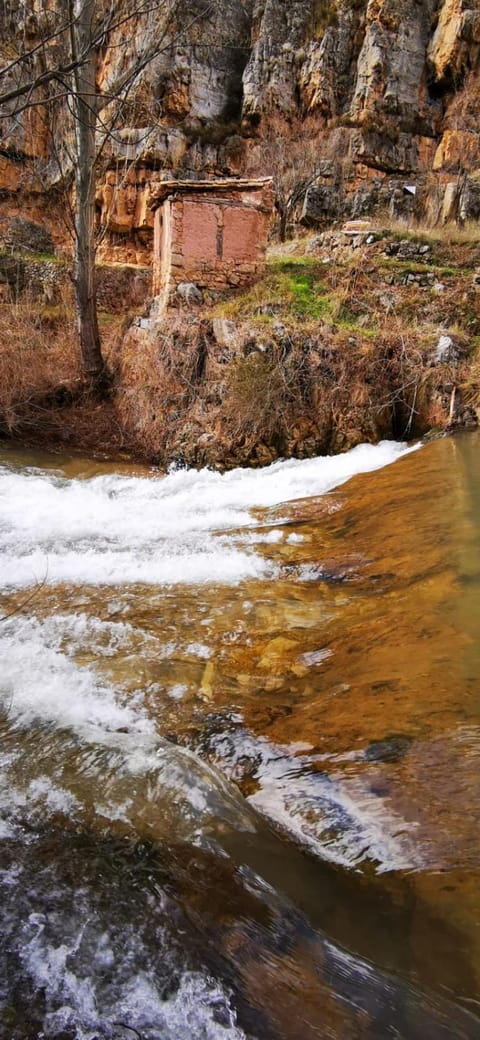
column 243, row 234
column 218, row 243
column 200, row 223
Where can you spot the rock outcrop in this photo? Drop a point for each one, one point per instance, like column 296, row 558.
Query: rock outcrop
column 344, row 101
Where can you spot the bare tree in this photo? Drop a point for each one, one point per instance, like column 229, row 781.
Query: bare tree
column 57, row 62
column 294, row 164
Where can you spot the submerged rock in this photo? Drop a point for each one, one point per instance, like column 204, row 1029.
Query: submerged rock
column 390, row 749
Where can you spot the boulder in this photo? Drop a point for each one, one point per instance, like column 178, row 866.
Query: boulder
column 189, row 293
column 445, row 353
column 320, row 205
column 224, row 332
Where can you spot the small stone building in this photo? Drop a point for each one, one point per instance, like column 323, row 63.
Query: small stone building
column 212, row 233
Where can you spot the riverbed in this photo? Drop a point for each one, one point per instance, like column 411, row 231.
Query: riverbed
column 240, row 748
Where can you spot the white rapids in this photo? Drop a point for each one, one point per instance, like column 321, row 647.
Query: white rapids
column 81, row 752
column 112, row 530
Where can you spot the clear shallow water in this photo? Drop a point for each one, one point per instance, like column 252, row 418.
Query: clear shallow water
column 240, row 739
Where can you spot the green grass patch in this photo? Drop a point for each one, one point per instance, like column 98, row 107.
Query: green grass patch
column 290, row 289
column 31, row 258
column 40, row 258
column 308, row 296
column 109, row 317
column 388, row 264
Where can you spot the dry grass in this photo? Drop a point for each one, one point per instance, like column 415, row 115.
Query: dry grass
column 38, row 357
column 471, row 385
column 325, row 355
column 267, row 394
column 42, row 395
column 181, row 397
column 447, row 235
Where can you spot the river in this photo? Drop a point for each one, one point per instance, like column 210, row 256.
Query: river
column 240, row 744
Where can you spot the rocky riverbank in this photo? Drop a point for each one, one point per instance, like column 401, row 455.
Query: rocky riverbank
column 355, row 334
column 350, row 337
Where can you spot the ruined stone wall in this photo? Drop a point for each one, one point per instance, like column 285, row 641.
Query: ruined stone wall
column 215, row 243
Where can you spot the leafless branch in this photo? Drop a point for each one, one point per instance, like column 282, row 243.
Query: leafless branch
column 78, row 58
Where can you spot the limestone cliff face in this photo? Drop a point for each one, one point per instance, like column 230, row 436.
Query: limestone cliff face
column 361, row 97
column 388, row 90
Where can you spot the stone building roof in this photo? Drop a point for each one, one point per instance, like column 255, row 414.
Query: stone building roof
column 222, row 186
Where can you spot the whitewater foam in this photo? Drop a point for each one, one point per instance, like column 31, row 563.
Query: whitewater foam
column 173, row 530
column 42, row 684
column 336, row 817
column 95, row 976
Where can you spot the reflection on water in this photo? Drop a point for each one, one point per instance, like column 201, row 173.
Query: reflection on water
column 212, row 657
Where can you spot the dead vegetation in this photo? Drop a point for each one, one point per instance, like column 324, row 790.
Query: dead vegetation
column 267, row 393
column 290, row 395
column 38, row 362
column 156, row 380
column 42, row 396
column 326, row 351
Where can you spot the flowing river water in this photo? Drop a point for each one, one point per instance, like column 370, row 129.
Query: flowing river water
column 240, row 748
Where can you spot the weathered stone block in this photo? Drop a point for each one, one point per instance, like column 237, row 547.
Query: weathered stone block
column 225, row 332
column 189, row 292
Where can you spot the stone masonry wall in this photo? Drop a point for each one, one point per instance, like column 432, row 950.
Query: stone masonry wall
column 215, row 243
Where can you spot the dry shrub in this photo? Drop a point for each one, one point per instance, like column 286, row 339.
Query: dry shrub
column 266, row 394
column 420, row 386
column 38, row 355
column 184, row 398
column 471, row 386
column 156, row 382
column 450, row 241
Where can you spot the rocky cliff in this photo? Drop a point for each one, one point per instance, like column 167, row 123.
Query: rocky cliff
column 353, row 105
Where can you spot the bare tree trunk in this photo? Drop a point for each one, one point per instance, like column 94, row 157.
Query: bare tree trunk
column 64, row 59
column 282, row 230
column 85, row 102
